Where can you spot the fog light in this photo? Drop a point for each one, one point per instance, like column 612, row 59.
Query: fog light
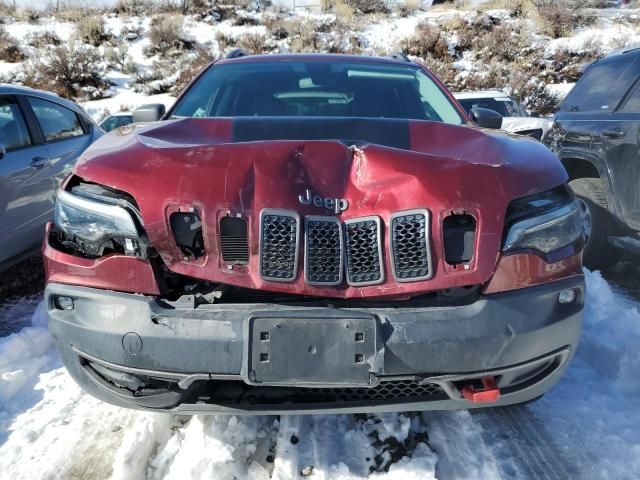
column 567, row 296
column 64, row 303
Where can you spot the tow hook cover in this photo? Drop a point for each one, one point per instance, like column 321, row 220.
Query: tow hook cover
column 487, row 394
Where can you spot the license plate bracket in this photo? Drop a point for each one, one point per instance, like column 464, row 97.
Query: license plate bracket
column 296, row 350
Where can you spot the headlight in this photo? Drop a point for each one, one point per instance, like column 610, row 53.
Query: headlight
column 91, row 227
column 554, row 220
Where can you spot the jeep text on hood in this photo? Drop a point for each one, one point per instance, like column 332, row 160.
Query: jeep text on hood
column 318, row 257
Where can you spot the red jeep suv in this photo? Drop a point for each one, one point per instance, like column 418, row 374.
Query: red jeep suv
column 306, row 233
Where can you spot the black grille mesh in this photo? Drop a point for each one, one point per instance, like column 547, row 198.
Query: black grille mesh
column 279, row 242
column 398, row 390
column 323, row 251
column 224, row 392
column 363, row 255
column 409, row 246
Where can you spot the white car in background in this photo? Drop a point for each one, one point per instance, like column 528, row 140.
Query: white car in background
column 516, row 119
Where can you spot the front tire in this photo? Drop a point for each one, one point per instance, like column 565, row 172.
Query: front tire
column 597, row 223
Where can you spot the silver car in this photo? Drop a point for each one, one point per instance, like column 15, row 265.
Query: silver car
column 41, row 136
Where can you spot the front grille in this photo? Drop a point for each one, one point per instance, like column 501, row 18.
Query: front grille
column 355, row 246
column 410, row 253
column 363, row 251
column 225, row 392
column 279, row 245
column 323, row 250
column 234, row 242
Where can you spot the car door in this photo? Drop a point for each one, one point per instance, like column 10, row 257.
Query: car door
column 25, row 181
column 65, row 134
column 614, row 141
column 621, row 143
column 590, row 127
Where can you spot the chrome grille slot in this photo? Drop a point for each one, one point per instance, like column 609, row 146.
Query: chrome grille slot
column 279, row 245
column 323, row 250
column 410, row 249
column 363, row 251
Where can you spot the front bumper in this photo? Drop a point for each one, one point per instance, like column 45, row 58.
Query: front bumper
column 134, row 351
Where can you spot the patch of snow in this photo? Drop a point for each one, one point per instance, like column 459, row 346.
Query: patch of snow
column 21, row 31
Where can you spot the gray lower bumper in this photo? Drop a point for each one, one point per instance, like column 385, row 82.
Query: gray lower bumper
column 507, row 335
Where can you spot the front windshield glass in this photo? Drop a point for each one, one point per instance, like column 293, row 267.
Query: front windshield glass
column 317, row 89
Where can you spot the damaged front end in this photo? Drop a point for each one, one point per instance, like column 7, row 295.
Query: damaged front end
column 266, row 275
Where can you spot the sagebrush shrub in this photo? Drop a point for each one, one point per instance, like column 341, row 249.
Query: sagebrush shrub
column 74, row 71
column 427, row 42
column 203, row 57
column 10, row 51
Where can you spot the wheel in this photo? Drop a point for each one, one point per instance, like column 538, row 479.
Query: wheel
column 597, row 223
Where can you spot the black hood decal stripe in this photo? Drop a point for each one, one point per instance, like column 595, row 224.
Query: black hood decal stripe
column 387, row 132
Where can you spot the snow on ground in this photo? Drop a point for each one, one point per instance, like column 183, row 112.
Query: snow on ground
column 586, row 427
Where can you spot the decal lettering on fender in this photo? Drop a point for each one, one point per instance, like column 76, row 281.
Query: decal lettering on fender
column 338, row 205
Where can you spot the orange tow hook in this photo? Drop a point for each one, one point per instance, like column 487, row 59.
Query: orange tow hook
column 487, row 394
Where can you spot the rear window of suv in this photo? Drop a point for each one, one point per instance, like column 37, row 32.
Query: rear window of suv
column 317, row 88
column 603, row 85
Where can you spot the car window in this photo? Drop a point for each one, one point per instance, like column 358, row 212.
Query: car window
column 603, row 85
column 506, row 107
column 13, row 129
column 116, row 121
column 56, row 121
column 632, row 104
column 324, row 89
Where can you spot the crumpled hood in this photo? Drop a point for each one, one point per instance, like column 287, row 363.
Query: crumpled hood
column 241, row 166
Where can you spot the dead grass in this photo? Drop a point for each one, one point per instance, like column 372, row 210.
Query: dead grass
column 93, row 30
column 167, row 34
column 133, row 7
column 561, row 18
column 225, row 41
column 43, row 39
column 254, row 43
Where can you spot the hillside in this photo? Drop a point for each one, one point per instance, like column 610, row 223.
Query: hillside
column 112, row 59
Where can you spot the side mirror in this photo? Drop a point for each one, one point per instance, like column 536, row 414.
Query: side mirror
column 3, row 151
column 486, row 118
column 148, row 113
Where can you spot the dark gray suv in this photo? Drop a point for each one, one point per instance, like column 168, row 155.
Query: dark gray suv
column 596, row 135
column 41, row 136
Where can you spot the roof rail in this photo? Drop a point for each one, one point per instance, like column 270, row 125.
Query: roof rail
column 400, row 56
column 237, row 53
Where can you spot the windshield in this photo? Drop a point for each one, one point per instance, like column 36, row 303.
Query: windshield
column 317, row 89
column 505, row 107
